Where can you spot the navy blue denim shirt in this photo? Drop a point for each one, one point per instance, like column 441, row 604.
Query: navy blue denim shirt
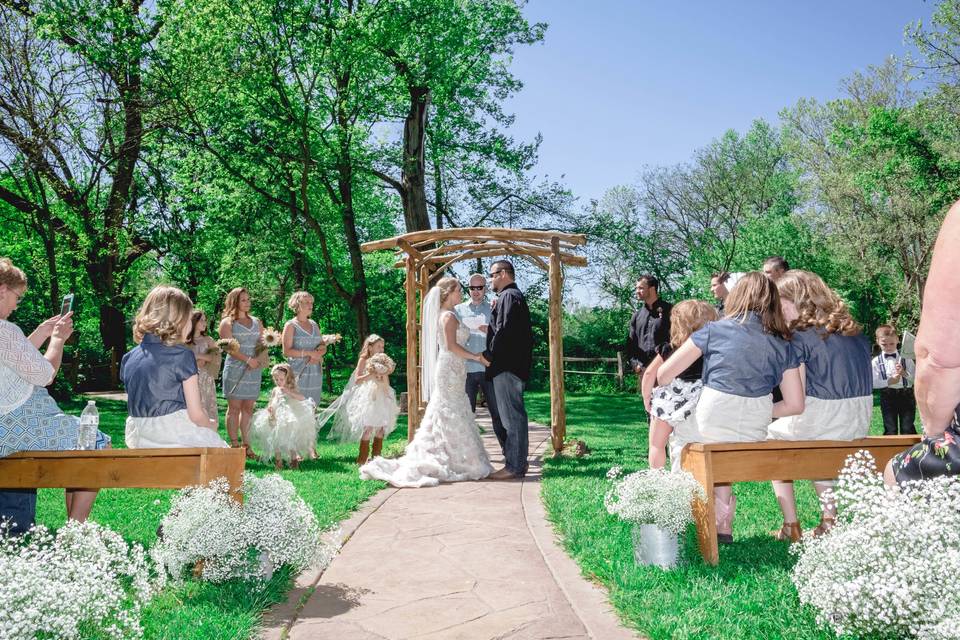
column 153, row 374
column 739, row 358
column 838, row 367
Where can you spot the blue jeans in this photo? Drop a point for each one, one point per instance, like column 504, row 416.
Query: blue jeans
column 20, row 507
column 478, row 380
column 509, row 392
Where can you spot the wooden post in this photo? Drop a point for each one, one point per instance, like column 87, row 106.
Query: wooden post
column 413, row 370
column 558, row 413
column 620, row 369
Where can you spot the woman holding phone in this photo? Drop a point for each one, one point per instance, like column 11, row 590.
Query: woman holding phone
column 30, row 418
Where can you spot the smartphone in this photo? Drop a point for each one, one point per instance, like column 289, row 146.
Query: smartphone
column 67, row 305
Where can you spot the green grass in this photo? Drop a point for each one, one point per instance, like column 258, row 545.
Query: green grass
column 749, row 595
column 198, row 610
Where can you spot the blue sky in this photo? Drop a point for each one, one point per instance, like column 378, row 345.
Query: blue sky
column 621, row 84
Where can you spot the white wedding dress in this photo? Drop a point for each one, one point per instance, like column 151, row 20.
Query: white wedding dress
column 447, row 446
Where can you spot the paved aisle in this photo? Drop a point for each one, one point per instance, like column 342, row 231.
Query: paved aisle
column 472, row 560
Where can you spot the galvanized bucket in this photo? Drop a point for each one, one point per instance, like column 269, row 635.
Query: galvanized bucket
column 655, row 546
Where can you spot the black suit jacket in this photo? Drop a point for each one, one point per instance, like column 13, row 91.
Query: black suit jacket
column 509, row 335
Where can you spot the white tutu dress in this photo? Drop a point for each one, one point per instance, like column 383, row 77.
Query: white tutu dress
column 290, row 432
column 373, row 404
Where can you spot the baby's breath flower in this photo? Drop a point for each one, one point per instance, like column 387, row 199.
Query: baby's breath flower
column 204, row 523
column 889, row 566
column 84, row 578
column 653, row 496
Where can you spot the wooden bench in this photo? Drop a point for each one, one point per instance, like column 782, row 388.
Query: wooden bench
column 123, row 468
column 723, row 463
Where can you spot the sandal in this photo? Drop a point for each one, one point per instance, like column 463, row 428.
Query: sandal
column 250, row 454
column 825, row 525
column 789, row 531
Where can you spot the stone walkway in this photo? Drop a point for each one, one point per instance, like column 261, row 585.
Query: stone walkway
column 470, row 560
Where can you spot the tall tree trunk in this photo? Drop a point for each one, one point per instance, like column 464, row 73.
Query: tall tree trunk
column 438, row 191
column 298, row 268
column 413, row 170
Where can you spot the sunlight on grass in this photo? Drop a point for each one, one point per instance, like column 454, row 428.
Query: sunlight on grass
column 749, row 595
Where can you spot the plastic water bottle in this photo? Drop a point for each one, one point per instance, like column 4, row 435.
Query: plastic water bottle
column 89, row 424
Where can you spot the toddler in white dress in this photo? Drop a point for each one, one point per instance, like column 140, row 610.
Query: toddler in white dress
column 286, row 430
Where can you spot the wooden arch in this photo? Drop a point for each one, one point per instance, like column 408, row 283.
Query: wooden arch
column 427, row 254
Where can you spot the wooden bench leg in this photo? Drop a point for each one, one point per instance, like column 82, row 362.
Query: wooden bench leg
column 224, row 463
column 704, row 511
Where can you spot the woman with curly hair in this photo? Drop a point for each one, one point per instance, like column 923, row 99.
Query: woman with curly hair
column 835, row 369
column 161, row 378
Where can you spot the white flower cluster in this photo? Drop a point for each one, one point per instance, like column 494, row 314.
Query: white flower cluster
column 84, row 580
column 205, row 524
column 654, row 496
column 889, row 566
column 381, row 364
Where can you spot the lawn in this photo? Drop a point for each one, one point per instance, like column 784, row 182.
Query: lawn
column 197, row 610
column 749, row 595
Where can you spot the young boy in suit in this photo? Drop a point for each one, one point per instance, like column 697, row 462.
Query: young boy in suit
column 893, row 375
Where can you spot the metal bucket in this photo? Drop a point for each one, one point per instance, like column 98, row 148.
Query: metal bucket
column 655, row 546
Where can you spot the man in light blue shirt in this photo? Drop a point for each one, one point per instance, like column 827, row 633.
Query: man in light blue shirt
column 478, row 306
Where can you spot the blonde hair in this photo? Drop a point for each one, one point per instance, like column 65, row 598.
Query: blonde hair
column 11, row 275
column 371, row 340
column 289, row 380
column 447, row 286
column 164, row 313
column 757, row 294
column 818, row 306
column 688, row 316
column 298, row 298
column 231, row 306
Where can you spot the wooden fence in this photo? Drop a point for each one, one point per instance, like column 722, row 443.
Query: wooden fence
column 619, row 361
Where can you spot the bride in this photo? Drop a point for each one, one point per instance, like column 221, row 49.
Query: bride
column 447, row 446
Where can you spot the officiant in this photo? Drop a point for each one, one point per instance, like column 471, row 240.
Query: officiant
column 475, row 314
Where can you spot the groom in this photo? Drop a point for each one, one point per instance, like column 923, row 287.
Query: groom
column 510, row 354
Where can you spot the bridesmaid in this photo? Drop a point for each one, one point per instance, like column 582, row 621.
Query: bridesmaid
column 208, row 363
column 241, row 373
column 304, row 347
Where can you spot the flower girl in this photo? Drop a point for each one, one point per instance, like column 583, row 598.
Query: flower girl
column 372, row 409
column 671, row 407
column 285, row 430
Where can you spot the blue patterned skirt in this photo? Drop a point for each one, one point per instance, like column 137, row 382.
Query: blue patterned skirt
column 39, row 425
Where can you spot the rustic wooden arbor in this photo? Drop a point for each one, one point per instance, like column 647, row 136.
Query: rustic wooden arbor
column 427, row 254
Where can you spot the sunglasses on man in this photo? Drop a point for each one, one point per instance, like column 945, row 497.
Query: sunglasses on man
column 477, row 287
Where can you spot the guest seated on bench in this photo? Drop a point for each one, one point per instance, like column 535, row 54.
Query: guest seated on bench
column 163, row 388
column 835, row 371
column 29, row 418
column 745, row 355
column 937, row 383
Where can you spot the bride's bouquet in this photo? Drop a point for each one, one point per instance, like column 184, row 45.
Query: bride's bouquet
column 381, row 364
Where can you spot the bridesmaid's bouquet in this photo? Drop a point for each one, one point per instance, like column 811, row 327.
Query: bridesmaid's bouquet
column 271, row 339
column 230, row 346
